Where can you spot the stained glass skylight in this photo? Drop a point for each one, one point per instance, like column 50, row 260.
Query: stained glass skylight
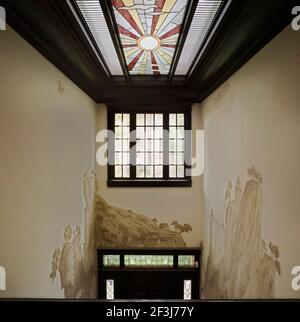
column 149, row 31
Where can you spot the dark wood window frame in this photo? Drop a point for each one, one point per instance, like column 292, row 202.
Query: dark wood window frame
column 126, row 279
column 165, row 181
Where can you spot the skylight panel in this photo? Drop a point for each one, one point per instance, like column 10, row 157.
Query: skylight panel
column 203, row 18
column 92, row 13
column 149, row 32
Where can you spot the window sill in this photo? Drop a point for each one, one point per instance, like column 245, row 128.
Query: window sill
column 150, row 183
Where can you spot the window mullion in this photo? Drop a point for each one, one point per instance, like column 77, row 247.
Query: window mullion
column 132, row 146
column 166, row 145
column 187, row 144
column 111, row 145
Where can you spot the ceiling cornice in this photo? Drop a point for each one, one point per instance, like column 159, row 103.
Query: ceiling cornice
column 51, row 27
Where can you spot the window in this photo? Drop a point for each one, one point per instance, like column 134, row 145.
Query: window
column 111, row 260
column 110, row 289
column 150, row 261
column 186, row 261
column 187, row 289
column 149, row 148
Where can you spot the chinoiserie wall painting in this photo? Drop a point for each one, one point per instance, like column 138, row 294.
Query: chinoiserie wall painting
column 240, row 263
column 74, row 262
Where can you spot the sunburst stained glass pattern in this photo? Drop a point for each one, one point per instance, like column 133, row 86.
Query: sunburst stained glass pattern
column 149, row 31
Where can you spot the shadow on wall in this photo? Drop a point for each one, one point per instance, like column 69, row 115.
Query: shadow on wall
column 240, row 264
column 105, row 226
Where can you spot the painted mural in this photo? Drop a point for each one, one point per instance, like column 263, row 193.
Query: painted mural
column 240, row 263
column 118, row 227
column 74, row 262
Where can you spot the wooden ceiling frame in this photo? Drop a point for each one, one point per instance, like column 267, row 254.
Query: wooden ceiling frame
column 52, row 28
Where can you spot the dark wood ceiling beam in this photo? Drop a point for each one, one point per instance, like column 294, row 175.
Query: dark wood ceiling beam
column 154, row 95
column 245, row 28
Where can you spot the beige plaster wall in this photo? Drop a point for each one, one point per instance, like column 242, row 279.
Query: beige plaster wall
column 253, row 120
column 47, row 142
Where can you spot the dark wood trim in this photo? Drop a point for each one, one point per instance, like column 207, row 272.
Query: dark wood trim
column 188, row 146
column 111, row 146
column 166, row 147
column 51, row 27
column 175, row 275
column 107, row 9
column 132, row 144
column 149, row 80
column 196, row 251
column 139, row 97
column 189, row 15
column 245, row 28
column 168, row 183
column 102, row 303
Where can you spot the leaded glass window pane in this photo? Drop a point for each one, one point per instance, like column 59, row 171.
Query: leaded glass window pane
column 186, row 261
column 122, row 145
column 110, row 290
column 156, row 148
column 187, row 289
column 149, row 135
column 176, row 145
column 153, row 261
column 149, row 32
column 111, row 260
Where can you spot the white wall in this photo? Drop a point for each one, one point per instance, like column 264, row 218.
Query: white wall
column 165, row 204
column 253, row 119
column 47, row 142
